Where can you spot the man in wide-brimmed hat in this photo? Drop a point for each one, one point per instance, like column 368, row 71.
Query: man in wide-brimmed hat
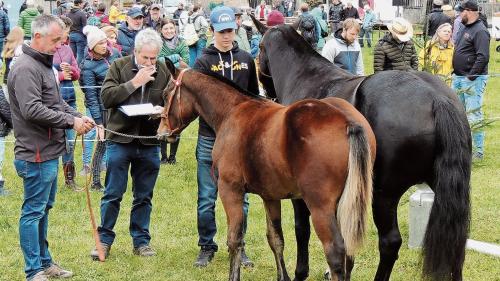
column 396, row 51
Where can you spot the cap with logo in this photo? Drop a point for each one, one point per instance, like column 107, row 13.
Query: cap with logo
column 222, row 18
column 470, row 5
column 135, row 12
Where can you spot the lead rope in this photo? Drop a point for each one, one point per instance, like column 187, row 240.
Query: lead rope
column 97, row 240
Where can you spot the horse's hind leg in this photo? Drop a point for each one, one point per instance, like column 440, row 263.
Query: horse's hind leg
column 302, row 235
column 386, row 220
column 275, row 236
column 232, row 200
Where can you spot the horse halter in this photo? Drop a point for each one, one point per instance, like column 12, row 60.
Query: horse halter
column 176, row 92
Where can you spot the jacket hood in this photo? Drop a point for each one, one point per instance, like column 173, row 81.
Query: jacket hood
column 340, row 39
column 43, row 58
column 32, row 11
column 212, row 50
column 74, row 9
column 389, row 39
column 124, row 28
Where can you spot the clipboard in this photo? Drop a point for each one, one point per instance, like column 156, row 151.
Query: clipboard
column 137, row 109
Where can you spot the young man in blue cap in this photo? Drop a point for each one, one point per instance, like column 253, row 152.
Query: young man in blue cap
column 129, row 29
column 224, row 58
column 470, row 67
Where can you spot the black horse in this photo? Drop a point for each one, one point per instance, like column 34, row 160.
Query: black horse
column 422, row 136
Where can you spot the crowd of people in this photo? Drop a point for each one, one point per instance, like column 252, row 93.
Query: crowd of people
column 118, row 57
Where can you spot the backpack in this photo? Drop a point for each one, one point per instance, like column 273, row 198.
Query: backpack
column 189, row 34
column 307, row 28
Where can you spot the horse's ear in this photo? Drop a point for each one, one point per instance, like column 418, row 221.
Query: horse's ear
column 170, row 66
column 260, row 26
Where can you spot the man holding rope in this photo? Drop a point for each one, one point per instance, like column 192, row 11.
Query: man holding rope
column 39, row 116
column 134, row 79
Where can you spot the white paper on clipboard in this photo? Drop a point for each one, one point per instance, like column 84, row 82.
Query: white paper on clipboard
column 137, row 109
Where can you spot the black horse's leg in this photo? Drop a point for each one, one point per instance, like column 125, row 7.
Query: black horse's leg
column 386, row 221
column 275, row 236
column 302, row 235
column 232, row 200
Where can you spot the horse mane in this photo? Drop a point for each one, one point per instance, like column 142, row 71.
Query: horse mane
column 229, row 83
column 290, row 36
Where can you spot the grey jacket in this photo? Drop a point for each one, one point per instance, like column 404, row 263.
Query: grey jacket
column 39, row 114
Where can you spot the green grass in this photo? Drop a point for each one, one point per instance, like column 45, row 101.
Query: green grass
column 173, row 224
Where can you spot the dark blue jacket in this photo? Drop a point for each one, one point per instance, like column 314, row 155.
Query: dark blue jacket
column 4, row 24
column 472, row 50
column 93, row 74
column 126, row 38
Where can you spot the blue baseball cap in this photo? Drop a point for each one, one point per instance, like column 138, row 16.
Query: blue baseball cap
column 222, row 17
column 135, row 12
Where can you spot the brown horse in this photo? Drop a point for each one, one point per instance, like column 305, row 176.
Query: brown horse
column 321, row 151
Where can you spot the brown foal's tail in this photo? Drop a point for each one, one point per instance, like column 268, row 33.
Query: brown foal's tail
column 356, row 198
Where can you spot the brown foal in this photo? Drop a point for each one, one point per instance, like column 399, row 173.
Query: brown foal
column 318, row 150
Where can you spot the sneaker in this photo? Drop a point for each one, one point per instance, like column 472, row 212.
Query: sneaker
column 56, row 271
column 144, row 251
column 204, row 257
column 95, row 255
column 97, row 186
column 85, row 170
column 164, row 160
column 245, row 261
column 40, row 276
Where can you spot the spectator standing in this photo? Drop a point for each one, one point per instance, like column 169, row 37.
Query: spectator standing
column 129, row 29
column 94, row 68
column 289, row 7
column 308, row 26
column 336, row 14
column 176, row 50
column 324, row 16
column 67, row 69
column 457, row 24
column 76, row 37
column 99, row 18
column 201, row 28
column 470, row 67
column 132, row 80
column 4, row 27
column 323, row 27
column 112, row 35
column 178, row 12
column 350, row 11
column 26, row 17
column 115, row 15
column 154, row 19
column 344, row 50
column 367, row 27
column 279, row 6
column 241, row 34
column 396, row 51
column 220, row 57
column 39, row 132
column 262, row 11
column 437, row 56
column 13, row 42
column 5, row 128
column 436, row 18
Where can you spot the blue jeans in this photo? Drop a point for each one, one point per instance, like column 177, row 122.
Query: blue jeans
column 144, row 164
column 365, row 33
column 471, row 94
column 2, row 155
column 69, row 156
column 207, row 195
column 40, row 187
column 78, row 43
column 195, row 51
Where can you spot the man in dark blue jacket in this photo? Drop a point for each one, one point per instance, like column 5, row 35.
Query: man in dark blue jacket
column 226, row 59
column 129, row 29
column 470, row 64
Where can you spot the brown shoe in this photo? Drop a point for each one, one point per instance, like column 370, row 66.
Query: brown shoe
column 144, row 251
column 95, row 254
column 56, row 271
column 40, row 276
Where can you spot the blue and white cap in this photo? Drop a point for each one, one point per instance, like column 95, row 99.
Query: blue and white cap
column 222, row 17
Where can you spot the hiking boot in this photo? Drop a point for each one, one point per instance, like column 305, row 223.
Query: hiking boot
column 245, row 261
column 171, row 160
column 204, row 257
column 40, row 276
column 97, row 186
column 144, row 251
column 56, row 271
column 85, row 170
column 95, row 255
column 69, row 175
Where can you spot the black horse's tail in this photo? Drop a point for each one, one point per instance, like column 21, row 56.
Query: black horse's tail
column 448, row 227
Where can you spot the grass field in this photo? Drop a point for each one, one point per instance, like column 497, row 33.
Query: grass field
column 173, row 224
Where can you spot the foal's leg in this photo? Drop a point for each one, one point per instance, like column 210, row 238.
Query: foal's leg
column 302, row 235
column 386, row 219
column 232, row 200
column 275, row 236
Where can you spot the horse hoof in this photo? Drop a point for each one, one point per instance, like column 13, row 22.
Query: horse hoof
column 327, row 275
